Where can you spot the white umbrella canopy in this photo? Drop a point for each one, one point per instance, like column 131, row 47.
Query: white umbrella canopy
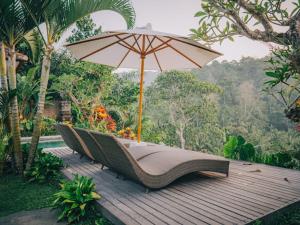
column 144, row 49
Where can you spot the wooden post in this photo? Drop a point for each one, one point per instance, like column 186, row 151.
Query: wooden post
column 141, row 91
column 141, row 100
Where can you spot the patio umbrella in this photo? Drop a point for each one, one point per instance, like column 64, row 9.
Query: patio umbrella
column 144, row 49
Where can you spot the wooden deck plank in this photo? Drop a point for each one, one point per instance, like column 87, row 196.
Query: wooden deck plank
column 238, row 208
column 133, row 213
column 196, row 199
column 123, row 211
column 229, row 198
column 145, row 198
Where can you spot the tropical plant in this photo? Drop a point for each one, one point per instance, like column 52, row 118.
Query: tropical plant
column 47, row 126
column 27, row 86
column 237, row 148
column 46, row 167
column 58, row 16
column 84, row 84
column 274, row 21
column 283, row 80
column 85, row 28
column 257, row 20
column 4, row 138
column 76, row 199
column 15, row 22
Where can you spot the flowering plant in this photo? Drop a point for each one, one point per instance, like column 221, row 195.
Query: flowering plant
column 101, row 116
column 127, row 133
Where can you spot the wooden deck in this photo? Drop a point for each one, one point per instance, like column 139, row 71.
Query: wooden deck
column 249, row 193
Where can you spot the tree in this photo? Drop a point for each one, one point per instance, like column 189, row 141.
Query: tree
column 15, row 22
column 184, row 102
column 85, row 28
column 247, row 110
column 85, row 84
column 3, row 69
column 264, row 20
column 59, row 16
column 222, row 19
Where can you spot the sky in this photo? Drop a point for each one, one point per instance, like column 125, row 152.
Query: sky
column 177, row 17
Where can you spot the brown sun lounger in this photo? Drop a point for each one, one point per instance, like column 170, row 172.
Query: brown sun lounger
column 72, row 140
column 93, row 146
column 157, row 166
column 97, row 150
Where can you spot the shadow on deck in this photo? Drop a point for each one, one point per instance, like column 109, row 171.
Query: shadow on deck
column 250, row 192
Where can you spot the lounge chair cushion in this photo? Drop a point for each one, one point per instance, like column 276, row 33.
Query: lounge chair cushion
column 164, row 161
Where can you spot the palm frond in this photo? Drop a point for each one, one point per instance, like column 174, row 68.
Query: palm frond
column 14, row 21
column 34, row 42
column 72, row 10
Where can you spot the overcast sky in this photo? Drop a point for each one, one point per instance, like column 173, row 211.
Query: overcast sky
column 177, row 17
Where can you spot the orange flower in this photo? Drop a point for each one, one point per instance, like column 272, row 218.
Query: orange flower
column 102, row 115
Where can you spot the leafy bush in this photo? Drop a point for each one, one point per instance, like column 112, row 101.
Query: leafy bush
column 281, row 159
column 237, row 148
column 3, row 150
column 76, row 199
column 47, row 126
column 45, row 167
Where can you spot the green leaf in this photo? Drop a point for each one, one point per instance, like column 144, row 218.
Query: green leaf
column 200, row 13
column 82, row 206
column 241, row 140
column 95, row 195
column 247, row 152
column 230, row 147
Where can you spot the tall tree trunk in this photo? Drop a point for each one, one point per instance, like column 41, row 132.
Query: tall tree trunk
column 41, row 105
column 3, row 69
column 14, row 112
column 180, row 133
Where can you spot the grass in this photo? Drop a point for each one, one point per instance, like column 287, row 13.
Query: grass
column 17, row 195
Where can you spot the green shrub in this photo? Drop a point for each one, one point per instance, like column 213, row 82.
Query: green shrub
column 46, row 166
column 47, row 126
column 76, row 199
column 281, row 159
column 237, row 148
column 4, row 138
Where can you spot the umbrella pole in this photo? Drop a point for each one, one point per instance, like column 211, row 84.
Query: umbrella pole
column 141, row 100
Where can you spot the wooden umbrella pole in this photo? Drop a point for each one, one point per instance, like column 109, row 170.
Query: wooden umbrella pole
column 141, row 100
column 143, row 55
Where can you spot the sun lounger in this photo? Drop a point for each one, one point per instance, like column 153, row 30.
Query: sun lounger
column 72, row 140
column 94, row 147
column 157, row 166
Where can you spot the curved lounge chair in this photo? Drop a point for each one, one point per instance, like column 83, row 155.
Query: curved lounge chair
column 97, row 150
column 94, row 147
column 159, row 167
column 72, row 140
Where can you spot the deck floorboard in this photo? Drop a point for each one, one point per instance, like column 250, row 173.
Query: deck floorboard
column 250, row 192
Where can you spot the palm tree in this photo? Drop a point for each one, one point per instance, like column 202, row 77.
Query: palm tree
column 14, row 24
column 3, row 76
column 58, row 21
